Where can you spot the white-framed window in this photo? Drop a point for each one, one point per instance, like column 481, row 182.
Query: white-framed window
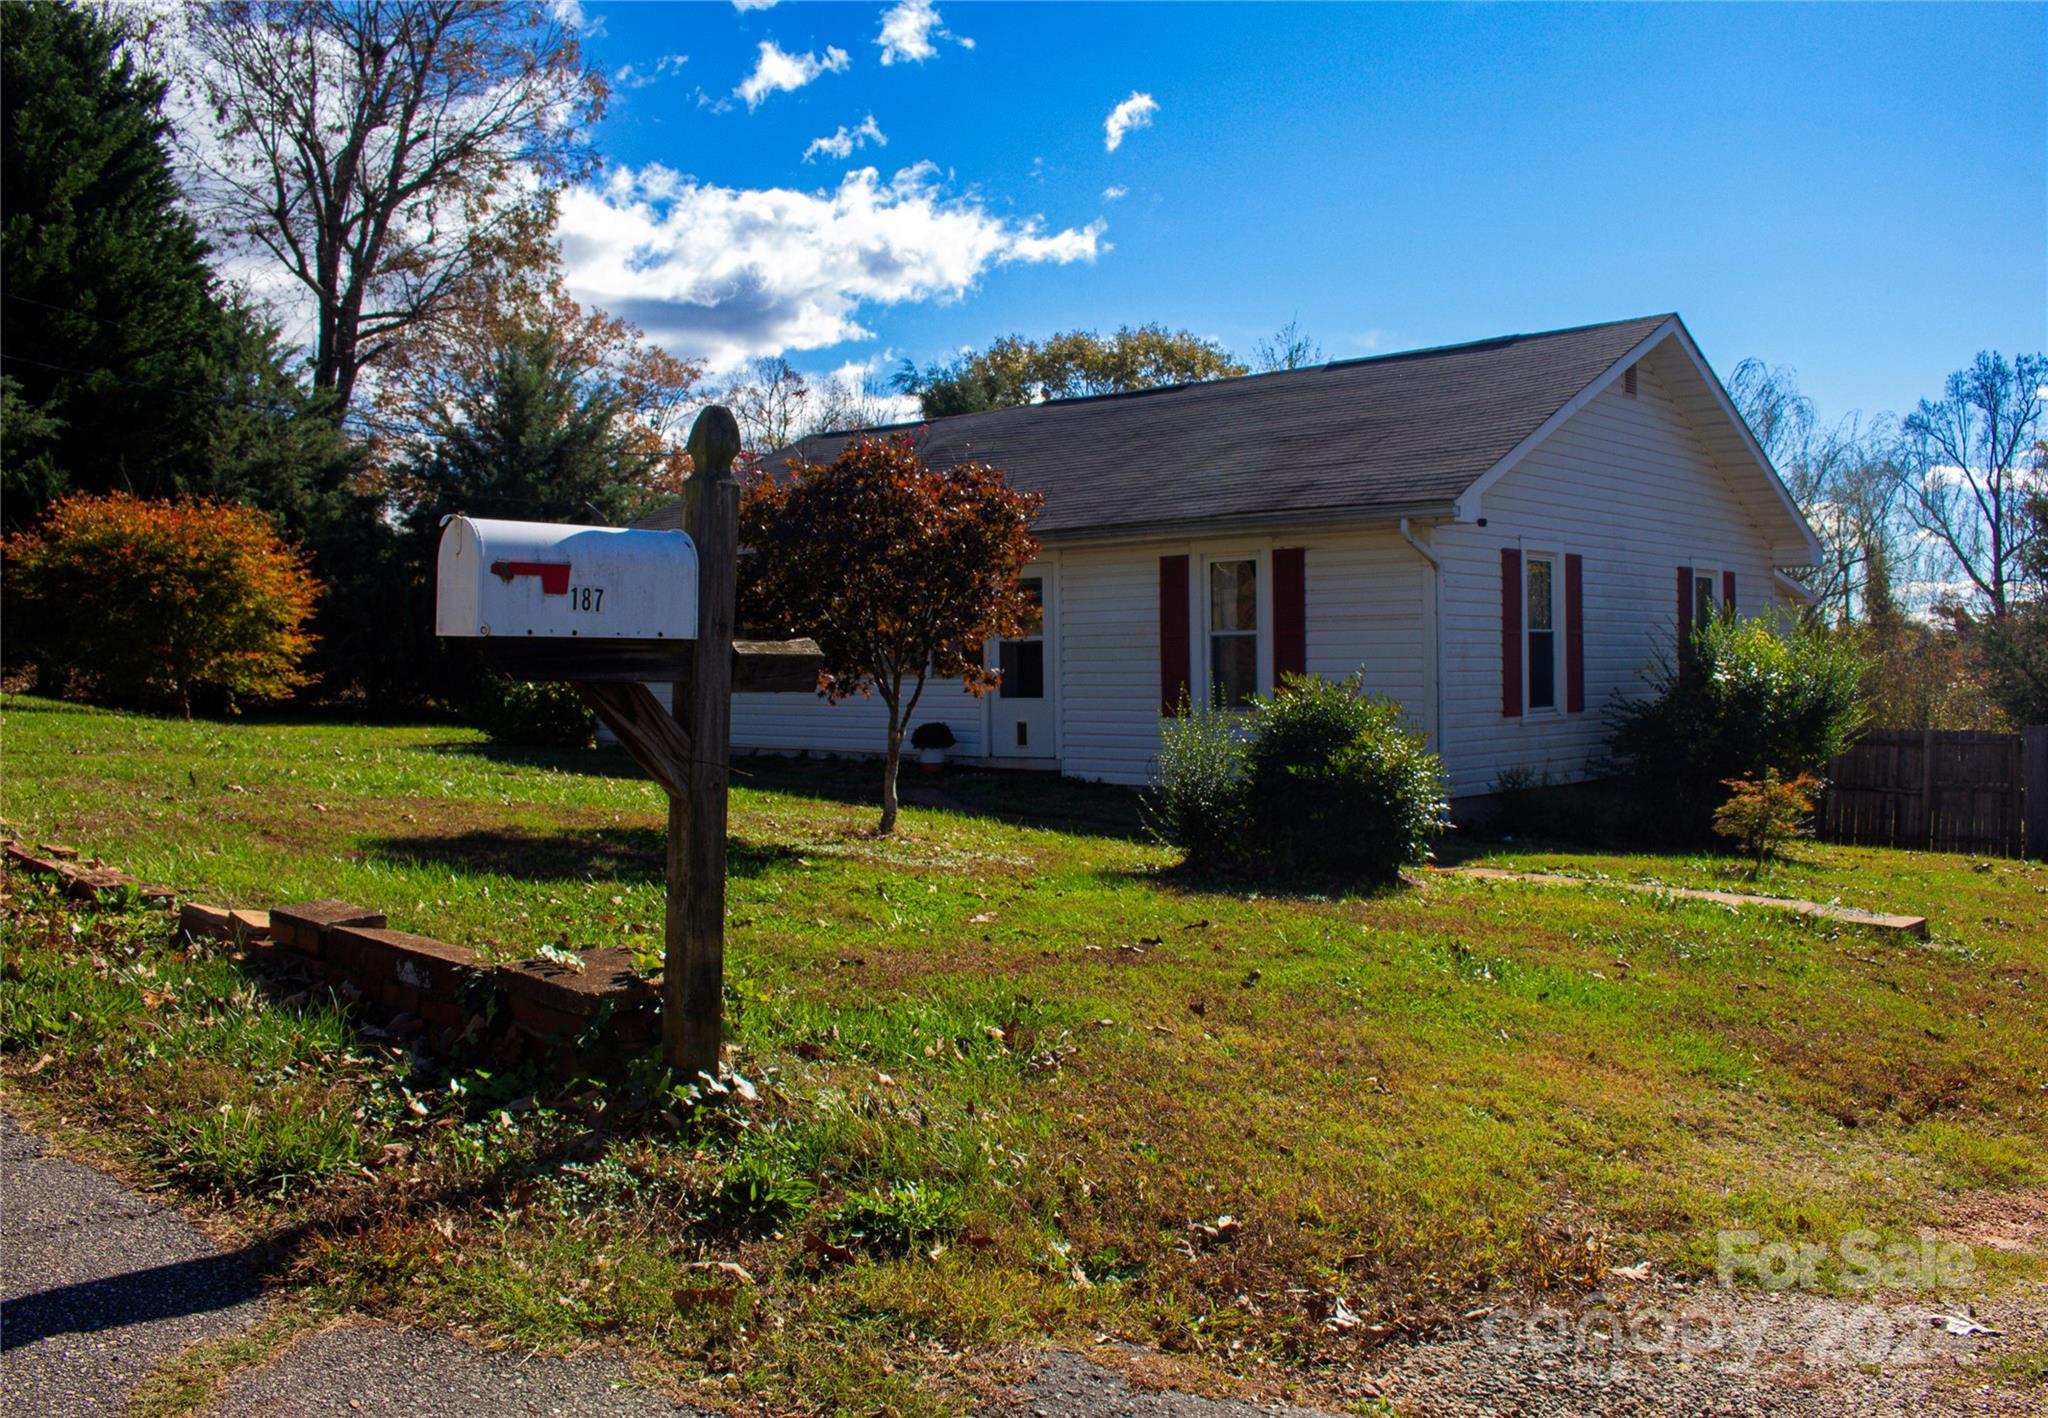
column 1021, row 657
column 1706, row 594
column 1232, row 626
column 1542, row 624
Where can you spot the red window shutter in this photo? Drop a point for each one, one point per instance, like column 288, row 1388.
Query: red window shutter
column 1574, row 633
column 1173, row 633
column 1290, row 613
column 1728, row 592
column 1684, row 618
column 1510, row 633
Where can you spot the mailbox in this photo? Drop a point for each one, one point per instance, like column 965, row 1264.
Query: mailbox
column 556, row 602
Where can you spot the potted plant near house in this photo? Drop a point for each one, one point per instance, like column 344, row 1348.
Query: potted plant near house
column 931, row 739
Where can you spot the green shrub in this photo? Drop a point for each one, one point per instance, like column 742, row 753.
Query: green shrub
column 544, row 715
column 1336, row 782
column 1748, row 697
column 1197, row 799
column 1317, row 781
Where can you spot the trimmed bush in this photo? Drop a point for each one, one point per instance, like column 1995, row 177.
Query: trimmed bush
column 1748, row 698
column 1197, row 799
column 138, row 601
column 1318, row 781
column 932, row 733
column 541, row 715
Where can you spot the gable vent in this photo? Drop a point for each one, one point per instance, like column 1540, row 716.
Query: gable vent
column 1628, row 381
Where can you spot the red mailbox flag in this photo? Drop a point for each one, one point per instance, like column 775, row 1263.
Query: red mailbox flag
column 554, row 575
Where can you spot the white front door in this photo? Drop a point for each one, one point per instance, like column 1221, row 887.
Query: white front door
column 1021, row 709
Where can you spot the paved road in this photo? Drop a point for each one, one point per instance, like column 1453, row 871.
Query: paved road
column 363, row 1369
column 1069, row 1386
column 98, row 1285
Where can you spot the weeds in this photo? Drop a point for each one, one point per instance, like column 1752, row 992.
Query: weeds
column 253, row 1148
column 906, row 1217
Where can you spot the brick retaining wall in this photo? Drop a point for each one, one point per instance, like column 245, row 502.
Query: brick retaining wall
column 440, row 994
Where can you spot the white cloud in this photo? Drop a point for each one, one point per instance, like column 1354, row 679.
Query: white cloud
column 629, row 77
column 724, row 274
column 778, row 71
column 570, row 14
column 1116, row 193
column 907, row 31
column 744, row 5
column 1133, row 113
column 861, row 389
column 842, row 143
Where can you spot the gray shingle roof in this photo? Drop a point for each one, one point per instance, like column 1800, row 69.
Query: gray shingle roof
column 1365, row 437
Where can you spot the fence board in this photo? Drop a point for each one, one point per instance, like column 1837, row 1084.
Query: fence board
column 1946, row 790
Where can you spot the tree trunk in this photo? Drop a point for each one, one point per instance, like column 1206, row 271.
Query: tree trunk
column 889, row 767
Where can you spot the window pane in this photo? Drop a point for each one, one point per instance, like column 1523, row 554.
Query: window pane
column 1023, row 664
column 1539, row 595
column 1702, row 599
column 1033, row 588
column 1542, row 669
column 1234, row 595
column 1233, row 669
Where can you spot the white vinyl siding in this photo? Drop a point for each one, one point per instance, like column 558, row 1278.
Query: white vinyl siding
column 1625, row 484
column 1367, row 600
column 805, row 722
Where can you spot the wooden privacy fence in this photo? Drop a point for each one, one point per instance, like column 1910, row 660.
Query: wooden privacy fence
column 1944, row 790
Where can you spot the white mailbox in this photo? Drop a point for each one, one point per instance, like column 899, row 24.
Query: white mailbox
column 568, row 602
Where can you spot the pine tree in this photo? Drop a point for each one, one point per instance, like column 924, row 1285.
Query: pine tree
column 125, row 369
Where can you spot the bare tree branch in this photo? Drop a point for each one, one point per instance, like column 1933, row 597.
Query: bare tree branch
column 1965, row 472
column 383, row 152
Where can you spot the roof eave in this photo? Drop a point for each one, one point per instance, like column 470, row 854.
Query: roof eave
column 1124, row 531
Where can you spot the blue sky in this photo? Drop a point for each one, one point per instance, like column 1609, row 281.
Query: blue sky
column 1860, row 192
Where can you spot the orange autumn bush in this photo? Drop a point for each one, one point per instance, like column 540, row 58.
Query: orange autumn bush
column 128, row 599
column 1762, row 815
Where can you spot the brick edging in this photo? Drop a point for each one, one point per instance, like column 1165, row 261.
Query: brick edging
column 426, row 989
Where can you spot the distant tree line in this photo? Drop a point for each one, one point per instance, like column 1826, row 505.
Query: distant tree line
column 1934, row 536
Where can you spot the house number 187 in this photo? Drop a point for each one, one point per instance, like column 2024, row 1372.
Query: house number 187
column 586, row 598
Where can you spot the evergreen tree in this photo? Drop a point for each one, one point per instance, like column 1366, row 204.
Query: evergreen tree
column 537, row 436
column 125, row 370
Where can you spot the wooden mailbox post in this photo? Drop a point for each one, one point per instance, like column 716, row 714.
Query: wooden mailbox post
column 685, row 747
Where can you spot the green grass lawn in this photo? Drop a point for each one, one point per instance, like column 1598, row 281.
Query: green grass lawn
column 1012, row 1062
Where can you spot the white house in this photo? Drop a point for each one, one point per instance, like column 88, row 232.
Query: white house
column 1501, row 535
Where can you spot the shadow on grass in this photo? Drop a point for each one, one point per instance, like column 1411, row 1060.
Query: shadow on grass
column 1040, row 801
column 610, row 762
column 1185, row 880
column 1022, row 799
column 610, row 853
column 1456, row 849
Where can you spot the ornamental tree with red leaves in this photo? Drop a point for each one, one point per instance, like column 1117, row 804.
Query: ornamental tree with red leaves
column 900, row 573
